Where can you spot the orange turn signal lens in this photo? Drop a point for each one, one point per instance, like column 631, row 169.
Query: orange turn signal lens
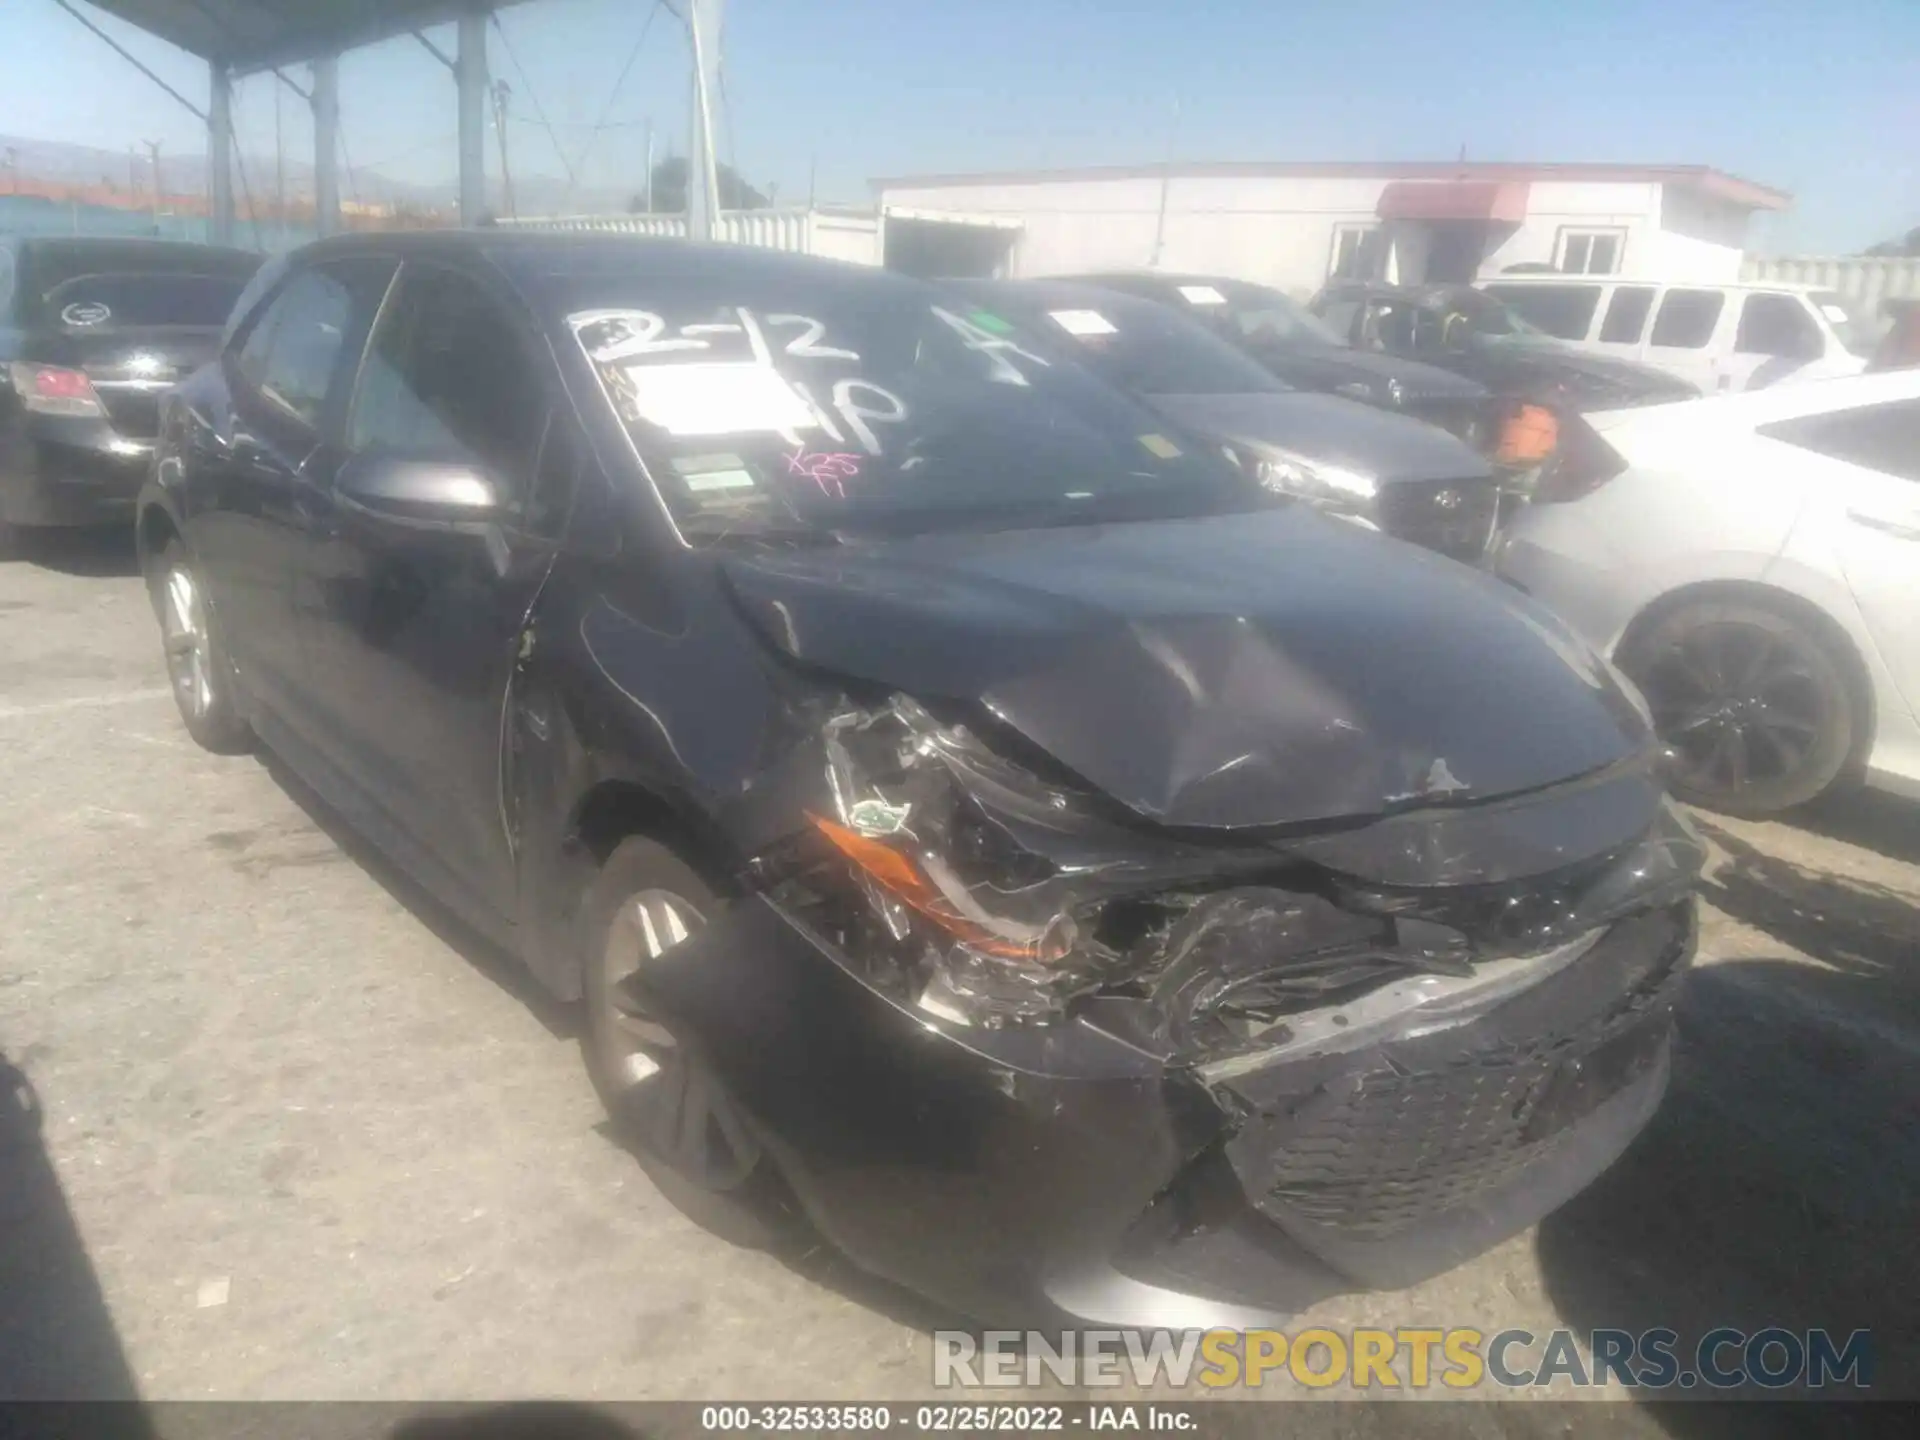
column 1529, row 436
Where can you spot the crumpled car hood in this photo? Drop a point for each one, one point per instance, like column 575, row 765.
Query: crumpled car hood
column 1241, row 671
column 1585, row 379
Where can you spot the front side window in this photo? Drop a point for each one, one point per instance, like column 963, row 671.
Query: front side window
column 1562, row 310
column 1778, row 325
column 1627, row 315
column 1884, row 437
column 1687, row 319
column 448, row 378
column 1590, row 252
column 876, row 405
column 291, row 352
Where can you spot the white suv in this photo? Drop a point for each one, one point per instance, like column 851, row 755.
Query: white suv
column 1721, row 337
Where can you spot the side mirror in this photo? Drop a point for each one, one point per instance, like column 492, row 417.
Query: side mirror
column 420, row 494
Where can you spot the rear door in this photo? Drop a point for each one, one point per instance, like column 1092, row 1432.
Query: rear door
column 414, row 632
column 1868, row 499
column 1687, row 322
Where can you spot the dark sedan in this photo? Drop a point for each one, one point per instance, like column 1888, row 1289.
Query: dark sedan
column 972, row 815
column 1292, row 343
column 92, row 333
column 1471, row 333
column 1412, row 480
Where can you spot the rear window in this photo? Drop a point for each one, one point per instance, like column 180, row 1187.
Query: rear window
column 117, row 302
column 1565, row 311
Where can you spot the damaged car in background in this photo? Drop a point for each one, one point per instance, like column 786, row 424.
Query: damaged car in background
column 980, row 822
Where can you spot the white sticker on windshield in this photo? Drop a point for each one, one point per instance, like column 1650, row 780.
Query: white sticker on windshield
column 1082, row 322
column 717, row 398
column 85, row 312
column 714, row 472
column 1835, row 314
column 1201, row 295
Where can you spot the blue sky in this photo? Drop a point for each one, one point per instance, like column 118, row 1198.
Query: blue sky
column 1822, row 100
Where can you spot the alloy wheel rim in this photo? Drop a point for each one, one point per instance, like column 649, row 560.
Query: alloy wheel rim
column 1739, row 705
column 189, row 649
column 676, row 1109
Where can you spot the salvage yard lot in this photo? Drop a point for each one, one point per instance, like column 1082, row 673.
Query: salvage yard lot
column 308, row 1139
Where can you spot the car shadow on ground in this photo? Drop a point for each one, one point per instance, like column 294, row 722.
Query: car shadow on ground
column 798, row 1250
column 1779, row 1184
column 91, row 553
column 57, row 1337
column 1888, row 825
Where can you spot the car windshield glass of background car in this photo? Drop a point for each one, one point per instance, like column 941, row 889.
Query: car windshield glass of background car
column 1265, row 316
column 880, row 407
column 1150, row 350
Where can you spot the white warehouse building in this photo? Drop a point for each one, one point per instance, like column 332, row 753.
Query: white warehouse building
column 1295, row 226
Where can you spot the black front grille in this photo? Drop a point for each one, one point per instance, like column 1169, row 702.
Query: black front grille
column 1455, row 517
column 1412, row 1130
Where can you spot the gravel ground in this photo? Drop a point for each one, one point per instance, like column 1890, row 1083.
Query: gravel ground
column 299, row 1137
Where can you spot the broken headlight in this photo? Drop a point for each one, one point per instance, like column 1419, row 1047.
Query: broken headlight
column 994, row 931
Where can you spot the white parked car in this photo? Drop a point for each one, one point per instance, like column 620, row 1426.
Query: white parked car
column 1753, row 562
column 1719, row 337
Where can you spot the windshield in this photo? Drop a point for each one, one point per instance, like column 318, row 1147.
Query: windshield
column 874, row 405
column 1145, row 348
column 119, row 301
column 1269, row 317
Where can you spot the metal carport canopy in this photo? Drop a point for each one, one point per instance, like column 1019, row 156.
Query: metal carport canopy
column 249, row 35
column 241, row 37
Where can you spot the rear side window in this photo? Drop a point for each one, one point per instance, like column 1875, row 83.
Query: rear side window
column 291, row 353
column 1687, row 319
column 1778, row 325
column 118, row 302
column 1627, row 314
column 1565, row 311
column 1884, row 437
column 448, row 378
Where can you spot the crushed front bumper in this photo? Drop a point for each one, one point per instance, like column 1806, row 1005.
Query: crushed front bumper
column 1014, row 1173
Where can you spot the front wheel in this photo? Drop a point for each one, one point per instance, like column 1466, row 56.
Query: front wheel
column 663, row 1096
column 1755, row 707
column 199, row 669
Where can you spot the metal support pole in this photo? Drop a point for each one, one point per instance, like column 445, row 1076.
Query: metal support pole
column 220, row 153
column 470, row 73
column 326, row 145
column 703, row 182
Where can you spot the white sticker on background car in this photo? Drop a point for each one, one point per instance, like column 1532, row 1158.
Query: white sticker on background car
column 1835, row 314
column 1082, row 322
column 1201, row 295
column 83, row 313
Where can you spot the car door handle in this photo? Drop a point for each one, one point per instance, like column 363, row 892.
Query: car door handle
column 1902, row 529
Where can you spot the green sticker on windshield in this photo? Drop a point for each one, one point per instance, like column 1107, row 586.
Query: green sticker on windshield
column 987, row 320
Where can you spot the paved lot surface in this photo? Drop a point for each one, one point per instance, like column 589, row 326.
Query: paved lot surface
column 298, row 1137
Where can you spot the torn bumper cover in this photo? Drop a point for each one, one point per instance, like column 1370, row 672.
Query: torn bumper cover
column 1012, row 1048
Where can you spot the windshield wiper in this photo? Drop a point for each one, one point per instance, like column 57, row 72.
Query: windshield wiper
column 717, row 526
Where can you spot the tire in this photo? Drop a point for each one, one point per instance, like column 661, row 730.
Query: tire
column 199, row 670
column 663, row 1098
column 1753, row 701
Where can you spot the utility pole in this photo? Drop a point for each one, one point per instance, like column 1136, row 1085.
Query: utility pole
column 647, row 188
column 154, row 147
column 703, row 178
column 501, row 94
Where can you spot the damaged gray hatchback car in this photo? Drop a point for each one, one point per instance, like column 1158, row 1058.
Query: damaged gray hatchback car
column 975, row 816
